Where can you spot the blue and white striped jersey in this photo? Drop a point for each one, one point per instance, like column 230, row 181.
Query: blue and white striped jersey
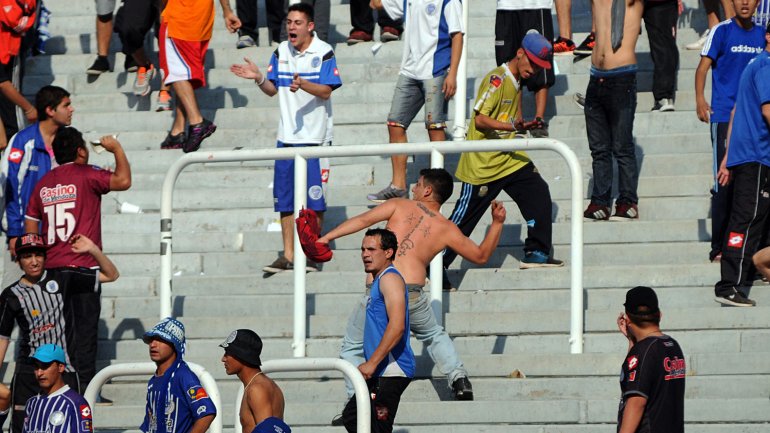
column 63, row 411
column 175, row 401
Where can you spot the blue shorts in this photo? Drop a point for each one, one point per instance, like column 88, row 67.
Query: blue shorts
column 410, row 95
column 283, row 183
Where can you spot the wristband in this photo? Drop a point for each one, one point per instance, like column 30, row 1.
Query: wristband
column 262, row 81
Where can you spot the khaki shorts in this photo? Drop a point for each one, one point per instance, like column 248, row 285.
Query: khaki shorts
column 104, row 7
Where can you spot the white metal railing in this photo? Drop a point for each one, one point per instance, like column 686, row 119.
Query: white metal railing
column 363, row 406
column 147, row 369
column 458, row 132
column 436, row 149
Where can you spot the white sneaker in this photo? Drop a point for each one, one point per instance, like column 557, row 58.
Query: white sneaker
column 665, row 104
column 698, row 45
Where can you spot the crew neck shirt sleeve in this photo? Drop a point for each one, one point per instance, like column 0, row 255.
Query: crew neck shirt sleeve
column 453, row 13
column 394, row 8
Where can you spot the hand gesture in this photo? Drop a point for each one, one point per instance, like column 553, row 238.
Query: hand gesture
column 296, row 83
column 498, row 212
column 622, row 324
column 232, row 22
column 80, row 244
column 110, row 143
column 703, row 110
column 450, row 86
column 248, row 70
column 367, row 369
column 723, row 175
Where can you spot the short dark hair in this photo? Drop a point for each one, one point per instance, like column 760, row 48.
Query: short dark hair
column 644, row 317
column 388, row 240
column 66, row 144
column 305, row 9
column 49, row 97
column 441, row 182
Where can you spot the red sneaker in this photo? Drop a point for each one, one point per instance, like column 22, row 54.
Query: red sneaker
column 357, row 36
column 625, row 212
column 562, row 46
column 597, row 212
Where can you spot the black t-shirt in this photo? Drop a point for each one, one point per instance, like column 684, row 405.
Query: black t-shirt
column 43, row 311
column 655, row 369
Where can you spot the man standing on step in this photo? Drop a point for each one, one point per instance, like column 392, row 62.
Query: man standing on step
column 422, row 232
column 303, row 73
column 730, row 46
column 747, row 165
column 176, row 401
column 40, row 303
column 486, row 174
column 262, row 405
column 433, row 43
column 57, row 408
column 67, row 201
column 389, row 365
column 652, row 378
column 185, row 30
column 610, row 104
column 29, row 157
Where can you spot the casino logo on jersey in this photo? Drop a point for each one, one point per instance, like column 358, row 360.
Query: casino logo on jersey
column 675, row 368
column 58, row 194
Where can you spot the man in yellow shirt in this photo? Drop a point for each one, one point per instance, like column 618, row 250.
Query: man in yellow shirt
column 497, row 115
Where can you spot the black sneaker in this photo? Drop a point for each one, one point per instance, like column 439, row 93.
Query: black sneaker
column 173, row 141
column 735, row 299
column 130, row 64
column 196, row 134
column 538, row 128
column 462, row 389
column 337, row 421
column 100, row 66
column 587, row 46
column 280, row 264
column 580, row 100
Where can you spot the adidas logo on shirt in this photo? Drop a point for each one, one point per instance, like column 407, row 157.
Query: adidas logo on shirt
column 745, row 49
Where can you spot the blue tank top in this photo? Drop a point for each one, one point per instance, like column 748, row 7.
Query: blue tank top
column 400, row 360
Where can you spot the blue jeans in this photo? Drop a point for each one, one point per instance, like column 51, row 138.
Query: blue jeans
column 609, row 112
column 422, row 323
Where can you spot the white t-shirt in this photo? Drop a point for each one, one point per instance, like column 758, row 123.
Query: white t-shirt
column 515, row 5
column 428, row 26
column 305, row 119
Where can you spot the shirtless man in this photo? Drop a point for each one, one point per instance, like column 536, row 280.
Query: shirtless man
column 262, row 405
column 609, row 111
column 422, row 233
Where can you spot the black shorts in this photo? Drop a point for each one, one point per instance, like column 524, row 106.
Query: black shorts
column 510, row 28
column 6, row 71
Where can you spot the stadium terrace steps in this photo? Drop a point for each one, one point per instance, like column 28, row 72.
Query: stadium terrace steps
column 505, row 322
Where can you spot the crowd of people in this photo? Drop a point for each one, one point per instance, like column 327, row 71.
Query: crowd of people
column 52, row 196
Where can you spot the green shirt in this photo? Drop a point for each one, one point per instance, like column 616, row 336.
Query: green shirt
column 498, row 98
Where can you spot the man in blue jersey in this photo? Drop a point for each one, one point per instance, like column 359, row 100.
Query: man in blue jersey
column 303, row 73
column 26, row 160
column 57, row 408
column 176, row 401
column 730, row 46
column 389, row 365
column 747, row 164
column 433, row 43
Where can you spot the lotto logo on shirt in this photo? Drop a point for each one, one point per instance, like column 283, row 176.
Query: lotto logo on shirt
column 632, row 362
column 735, row 240
column 58, row 194
column 85, row 411
column 336, row 72
column 15, row 156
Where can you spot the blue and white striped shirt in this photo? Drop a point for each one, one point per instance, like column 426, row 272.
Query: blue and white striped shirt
column 62, row 411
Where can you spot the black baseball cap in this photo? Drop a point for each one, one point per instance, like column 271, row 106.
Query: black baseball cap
column 244, row 345
column 641, row 296
column 30, row 242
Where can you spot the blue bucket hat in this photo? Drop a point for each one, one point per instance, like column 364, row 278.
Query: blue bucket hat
column 169, row 330
column 50, row 353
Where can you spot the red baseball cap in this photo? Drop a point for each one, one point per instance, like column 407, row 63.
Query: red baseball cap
column 538, row 49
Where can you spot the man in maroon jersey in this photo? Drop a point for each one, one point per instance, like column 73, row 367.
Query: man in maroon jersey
column 65, row 202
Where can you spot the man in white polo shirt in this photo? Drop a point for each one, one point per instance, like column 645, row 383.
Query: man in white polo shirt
column 433, row 43
column 303, row 73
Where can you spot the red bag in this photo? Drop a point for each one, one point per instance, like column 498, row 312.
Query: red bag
column 308, row 232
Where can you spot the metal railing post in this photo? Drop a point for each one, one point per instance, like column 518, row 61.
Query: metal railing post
column 300, row 262
column 458, row 132
column 437, row 264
